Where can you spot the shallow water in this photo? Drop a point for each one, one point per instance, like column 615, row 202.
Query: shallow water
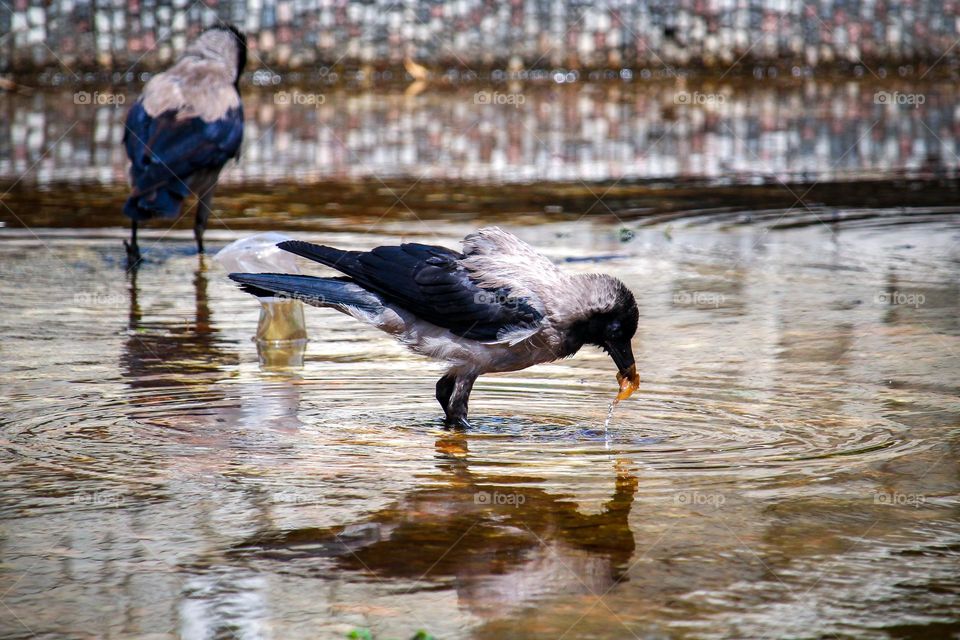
column 788, row 467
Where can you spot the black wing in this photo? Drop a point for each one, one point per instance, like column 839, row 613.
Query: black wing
column 169, row 149
column 429, row 282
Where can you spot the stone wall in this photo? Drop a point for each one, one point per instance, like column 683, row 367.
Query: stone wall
column 80, row 35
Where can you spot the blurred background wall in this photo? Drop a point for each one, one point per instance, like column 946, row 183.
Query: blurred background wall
column 467, row 34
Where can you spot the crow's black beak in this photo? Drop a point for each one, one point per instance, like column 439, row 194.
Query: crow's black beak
column 627, row 375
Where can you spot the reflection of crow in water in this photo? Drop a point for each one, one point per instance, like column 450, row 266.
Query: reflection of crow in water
column 159, row 353
column 528, row 543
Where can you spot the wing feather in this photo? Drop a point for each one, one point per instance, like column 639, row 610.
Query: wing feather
column 166, row 150
column 431, row 283
column 499, row 260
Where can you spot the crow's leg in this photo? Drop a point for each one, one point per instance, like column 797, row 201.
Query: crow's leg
column 204, row 206
column 133, row 250
column 456, row 405
column 444, row 391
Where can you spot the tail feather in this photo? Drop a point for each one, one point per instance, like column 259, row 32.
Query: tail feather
column 329, row 256
column 319, row 292
column 164, row 203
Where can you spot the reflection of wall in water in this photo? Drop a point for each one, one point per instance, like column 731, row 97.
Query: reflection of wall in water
column 591, row 132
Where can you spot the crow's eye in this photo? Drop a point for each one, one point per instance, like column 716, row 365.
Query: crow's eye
column 614, row 327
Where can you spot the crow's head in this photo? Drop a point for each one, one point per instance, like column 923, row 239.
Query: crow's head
column 607, row 317
column 226, row 43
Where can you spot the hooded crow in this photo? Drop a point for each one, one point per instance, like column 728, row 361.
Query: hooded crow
column 182, row 131
column 497, row 306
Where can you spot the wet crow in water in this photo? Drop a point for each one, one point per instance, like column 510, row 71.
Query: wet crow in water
column 497, row 306
column 182, row 131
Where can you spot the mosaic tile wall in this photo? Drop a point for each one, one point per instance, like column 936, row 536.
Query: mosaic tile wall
column 482, row 34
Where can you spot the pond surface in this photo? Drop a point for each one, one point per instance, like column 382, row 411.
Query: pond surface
column 788, row 468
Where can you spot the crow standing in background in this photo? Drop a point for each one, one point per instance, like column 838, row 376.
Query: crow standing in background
column 182, row 131
column 498, row 306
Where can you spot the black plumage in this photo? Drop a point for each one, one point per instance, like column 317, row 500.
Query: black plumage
column 167, row 152
column 429, row 282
